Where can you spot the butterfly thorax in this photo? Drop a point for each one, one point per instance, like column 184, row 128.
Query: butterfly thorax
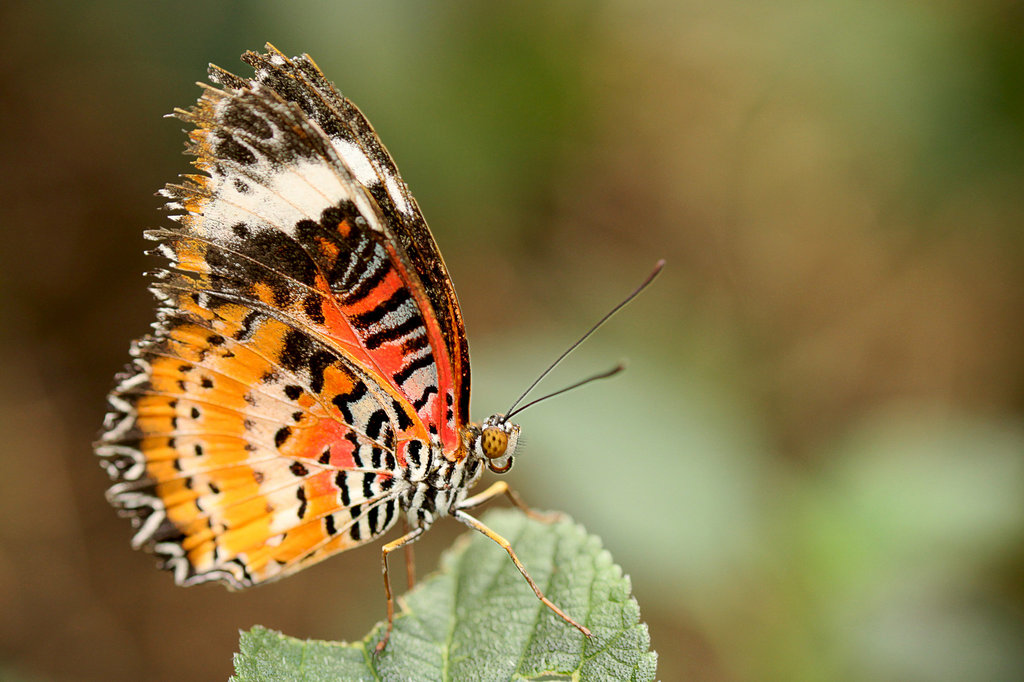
column 438, row 484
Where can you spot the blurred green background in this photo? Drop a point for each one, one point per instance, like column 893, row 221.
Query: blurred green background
column 814, row 467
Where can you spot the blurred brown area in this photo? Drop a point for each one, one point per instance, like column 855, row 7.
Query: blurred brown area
column 815, row 466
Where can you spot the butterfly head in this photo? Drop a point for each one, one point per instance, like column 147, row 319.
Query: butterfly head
column 495, row 441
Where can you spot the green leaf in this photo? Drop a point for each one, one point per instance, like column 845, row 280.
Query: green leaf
column 477, row 619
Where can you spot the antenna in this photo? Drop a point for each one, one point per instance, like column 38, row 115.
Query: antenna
column 603, row 375
column 650, row 278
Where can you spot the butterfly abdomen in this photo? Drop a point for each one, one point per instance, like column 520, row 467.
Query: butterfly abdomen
column 442, row 485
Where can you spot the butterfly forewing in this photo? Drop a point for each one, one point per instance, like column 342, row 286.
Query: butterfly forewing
column 262, row 426
column 406, row 235
column 352, row 135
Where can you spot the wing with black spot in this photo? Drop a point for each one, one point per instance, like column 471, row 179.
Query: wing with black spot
column 306, row 331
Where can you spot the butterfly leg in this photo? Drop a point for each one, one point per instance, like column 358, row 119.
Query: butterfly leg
column 504, row 544
column 410, row 559
column 501, row 488
column 405, row 540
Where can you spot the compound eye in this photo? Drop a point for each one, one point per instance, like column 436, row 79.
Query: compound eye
column 493, row 442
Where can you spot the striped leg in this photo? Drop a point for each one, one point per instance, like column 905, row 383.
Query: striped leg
column 477, row 525
column 408, row 538
column 501, row 488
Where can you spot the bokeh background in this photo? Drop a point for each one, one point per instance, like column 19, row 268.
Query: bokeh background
column 814, row 467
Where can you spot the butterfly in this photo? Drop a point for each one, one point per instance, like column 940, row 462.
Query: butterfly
column 306, row 382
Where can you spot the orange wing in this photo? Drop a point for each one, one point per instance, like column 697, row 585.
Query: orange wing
column 298, row 365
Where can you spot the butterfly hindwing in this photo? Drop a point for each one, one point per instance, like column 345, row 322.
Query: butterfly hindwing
column 237, row 467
